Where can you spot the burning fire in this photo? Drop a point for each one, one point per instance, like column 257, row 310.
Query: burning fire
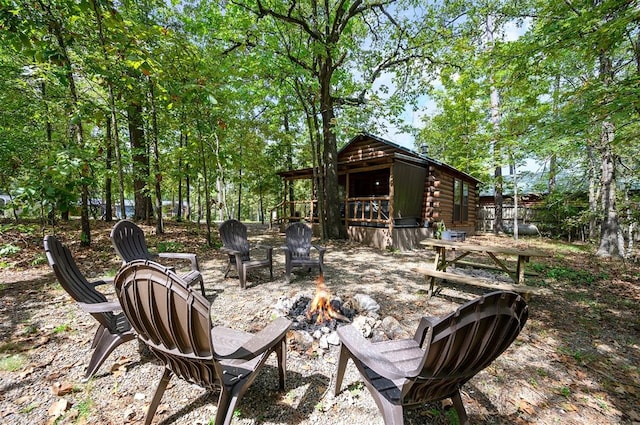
column 321, row 304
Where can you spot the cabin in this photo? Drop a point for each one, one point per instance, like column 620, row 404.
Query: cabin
column 392, row 197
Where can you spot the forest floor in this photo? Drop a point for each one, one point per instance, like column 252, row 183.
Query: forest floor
column 577, row 361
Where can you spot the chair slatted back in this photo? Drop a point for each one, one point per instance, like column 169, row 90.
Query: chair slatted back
column 129, row 242
column 74, row 282
column 171, row 318
column 234, row 236
column 466, row 341
column 298, row 240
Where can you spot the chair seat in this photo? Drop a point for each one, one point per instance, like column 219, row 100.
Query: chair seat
column 252, row 264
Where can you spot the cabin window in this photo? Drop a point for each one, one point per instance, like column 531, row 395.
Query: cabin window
column 460, row 201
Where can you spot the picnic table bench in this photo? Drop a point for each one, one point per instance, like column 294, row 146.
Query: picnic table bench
column 432, row 275
column 461, row 250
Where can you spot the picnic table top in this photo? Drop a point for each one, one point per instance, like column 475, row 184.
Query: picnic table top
column 496, row 249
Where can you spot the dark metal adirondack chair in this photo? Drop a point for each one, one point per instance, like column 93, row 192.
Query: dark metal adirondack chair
column 297, row 249
column 443, row 355
column 129, row 242
column 114, row 329
column 235, row 243
column 175, row 323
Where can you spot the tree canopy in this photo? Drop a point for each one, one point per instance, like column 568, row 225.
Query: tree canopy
column 201, row 103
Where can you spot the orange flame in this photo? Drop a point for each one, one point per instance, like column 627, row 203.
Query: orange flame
column 321, row 304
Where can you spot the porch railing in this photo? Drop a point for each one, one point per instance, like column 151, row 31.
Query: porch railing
column 362, row 210
column 368, row 210
column 302, row 210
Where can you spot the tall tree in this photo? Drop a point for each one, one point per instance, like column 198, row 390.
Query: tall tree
column 326, row 39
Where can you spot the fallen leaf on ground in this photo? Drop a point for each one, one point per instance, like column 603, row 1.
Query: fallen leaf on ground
column 61, row 389
column 58, row 408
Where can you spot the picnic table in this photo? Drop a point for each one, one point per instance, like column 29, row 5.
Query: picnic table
column 460, row 250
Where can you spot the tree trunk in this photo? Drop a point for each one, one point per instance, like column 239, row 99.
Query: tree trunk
column 611, row 240
column 108, row 195
column 115, row 139
column 594, row 193
column 179, row 214
column 207, row 195
column 239, row 188
column 330, row 156
column 156, row 159
column 498, row 226
column 515, row 202
column 140, row 157
column 317, row 174
column 289, row 153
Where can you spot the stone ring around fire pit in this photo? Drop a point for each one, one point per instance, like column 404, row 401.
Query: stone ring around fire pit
column 316, row 316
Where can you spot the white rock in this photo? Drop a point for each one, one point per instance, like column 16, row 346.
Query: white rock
column 333, row 338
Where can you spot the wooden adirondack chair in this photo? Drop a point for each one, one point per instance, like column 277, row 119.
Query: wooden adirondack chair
column 236, row 245
column 130, row 244
column 443, row 355
column 175, row 322
column 114, row 329
column 297, row 249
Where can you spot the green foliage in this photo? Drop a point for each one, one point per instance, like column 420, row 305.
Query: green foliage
column 565, row 215
column 84, row 407
column 61, row 328
column 27, row 229
column 9, row 250
column 452, row 415
column 12, row 363
column 39, row 259
column 577, row 278
column 170, row 247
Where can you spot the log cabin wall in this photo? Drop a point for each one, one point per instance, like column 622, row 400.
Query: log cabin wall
column 438, row 203
column 364, row 149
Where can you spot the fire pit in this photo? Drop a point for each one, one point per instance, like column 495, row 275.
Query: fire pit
column 316, row 316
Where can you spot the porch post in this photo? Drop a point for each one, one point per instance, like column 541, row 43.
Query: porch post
column 391, row 209
column 346, row 205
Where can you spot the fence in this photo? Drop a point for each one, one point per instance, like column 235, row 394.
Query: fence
column 526, row 215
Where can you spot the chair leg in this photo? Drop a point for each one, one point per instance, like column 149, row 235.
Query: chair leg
column 393, row 414
column 460, row 410
column 155, row 402
column 343, row 358
column 242, row 275
column 201, row 281
column 287, row 272
column 281, row 354
column 226, row 272
column 229, row 397
column 103, row 348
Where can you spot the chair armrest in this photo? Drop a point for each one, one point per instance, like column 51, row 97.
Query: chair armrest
column 426, row 325
column 267, row 248
column 366, row 352
column 319, row 248
column 193, row 258
column 109, row 306
column 229, row 251
column 103, row 281
column 262, row 341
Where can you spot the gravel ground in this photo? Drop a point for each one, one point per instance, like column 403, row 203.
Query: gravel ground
column 51, row 336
